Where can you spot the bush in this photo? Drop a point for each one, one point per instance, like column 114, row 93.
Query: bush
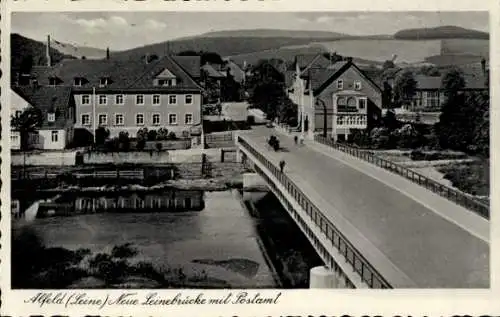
column 152, row 134
column 101, row 135
column 162, row 134
column 123, row 141
column 159, row 146
column 185, row 134
column 141, row 143
column 172, row 136
column 142, row 134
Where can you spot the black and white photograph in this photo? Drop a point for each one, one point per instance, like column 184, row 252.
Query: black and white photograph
column 249, row 150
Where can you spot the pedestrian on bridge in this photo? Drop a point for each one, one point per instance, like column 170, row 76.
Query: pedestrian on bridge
column 282, row 165
column 296, row 139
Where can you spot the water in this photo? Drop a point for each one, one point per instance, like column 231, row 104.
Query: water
column 194, row 240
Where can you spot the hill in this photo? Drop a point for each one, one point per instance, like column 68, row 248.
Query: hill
column 22, row 47
column 441, row 32
column 275, row 33
column 78, row 51
column 224, row 46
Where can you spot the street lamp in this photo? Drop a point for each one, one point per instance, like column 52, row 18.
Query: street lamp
column 325, row 121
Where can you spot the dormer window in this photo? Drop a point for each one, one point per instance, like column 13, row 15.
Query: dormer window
column 104, row 81
column 166, row 82
column 166, row 78
column 340, row 84
column 51, row 117
column 78, row 81
column 53, row 81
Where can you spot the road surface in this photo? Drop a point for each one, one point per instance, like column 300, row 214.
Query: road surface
column 434, row 242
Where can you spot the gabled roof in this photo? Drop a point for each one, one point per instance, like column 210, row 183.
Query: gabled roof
column 236, row 71
column 212, row 72
column 49, row 100
column 190, row 64
column 129, row 74
column 321, row 78
column 307, row 61
column 165, row 73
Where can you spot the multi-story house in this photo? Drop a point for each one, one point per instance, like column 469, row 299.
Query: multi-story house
column 429, row 96
column 130, row 95
column 336, row 99
column 57, row 109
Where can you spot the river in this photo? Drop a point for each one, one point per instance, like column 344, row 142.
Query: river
column 221, row 239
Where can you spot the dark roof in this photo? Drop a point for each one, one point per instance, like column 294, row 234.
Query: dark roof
column 212, row 72
column 472, row 81
column 49, row 100
column 305, row 60
column 323, row 77
column 190, row 64
column 236, row 71
column 129, row 74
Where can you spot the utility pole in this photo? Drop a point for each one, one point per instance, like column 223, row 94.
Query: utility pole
column 93, row 115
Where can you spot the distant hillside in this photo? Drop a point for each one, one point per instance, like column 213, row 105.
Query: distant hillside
column 275, row 33
column 442, row 32
column 21, row 47
column 224, row 46
column 78, row 51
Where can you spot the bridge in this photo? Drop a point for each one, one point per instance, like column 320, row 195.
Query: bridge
column 371, row 227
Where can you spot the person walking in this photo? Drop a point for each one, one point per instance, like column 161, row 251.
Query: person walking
column 296, row 139
column 282, row 165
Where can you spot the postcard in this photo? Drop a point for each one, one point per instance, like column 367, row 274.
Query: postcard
column 248, row 158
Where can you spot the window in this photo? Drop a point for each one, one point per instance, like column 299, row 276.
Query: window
column 188, row 99
column 340, row 84
column 51, row 117
column 156, row 99
column 166, row 82
column 14, row 138
column 85, row 119
column 78, row 81
column 103, row 119
column 432, row 99
column 103, row 82
column 357, row 85
column 139, row 100
column 55, row 136
column 156, row 119
column 139, row 119
column 188, row 119
column 119, row 119
column 85, row 100
column 119, row 99
column 172, row 118
column 362, row 103
column 103, row 99
column 172, row 99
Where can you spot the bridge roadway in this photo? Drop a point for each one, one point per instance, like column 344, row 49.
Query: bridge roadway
column 413, row 237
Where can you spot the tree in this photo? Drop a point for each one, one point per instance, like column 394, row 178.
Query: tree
column 124, row 140
column 101, row 135
column 453, row 82
column 390, row 121
column 26, row 64
column 29, row 121
column 162, row 134
column 387, row 95
column 404, row 88
column 152, row 134
column 388, row 64
column 430, row 71
column 142, row 134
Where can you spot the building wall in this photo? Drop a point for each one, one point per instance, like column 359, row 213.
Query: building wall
column 351, row 75
column 130, row 109
column 45, row 141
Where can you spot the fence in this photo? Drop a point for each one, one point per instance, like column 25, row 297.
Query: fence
column 219, row 140
column 444, row 191
column 366, row 271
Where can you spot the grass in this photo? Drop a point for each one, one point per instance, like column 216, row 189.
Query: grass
column 472, row 178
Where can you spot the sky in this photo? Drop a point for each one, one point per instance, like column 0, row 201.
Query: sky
column 122, row 30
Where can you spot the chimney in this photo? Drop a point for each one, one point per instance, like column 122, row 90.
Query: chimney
column 47, row 52
column 483, row 66
column 107, row 53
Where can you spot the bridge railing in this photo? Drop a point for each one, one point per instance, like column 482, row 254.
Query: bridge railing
column 436, row 187
column 359, row 264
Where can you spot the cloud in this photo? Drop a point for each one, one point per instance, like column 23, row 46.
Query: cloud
column 101, row 24
column 154, row 25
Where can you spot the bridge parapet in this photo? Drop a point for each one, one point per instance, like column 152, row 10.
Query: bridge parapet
column 367, row 273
